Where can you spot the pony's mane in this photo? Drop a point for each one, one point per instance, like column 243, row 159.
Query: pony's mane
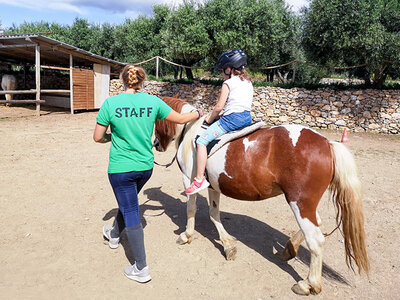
column 165, row 127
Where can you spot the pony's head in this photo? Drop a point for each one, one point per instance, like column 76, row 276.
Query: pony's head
column 165, row 131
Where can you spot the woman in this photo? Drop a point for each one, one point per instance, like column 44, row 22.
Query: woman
column 234, row 105
column 131, row 116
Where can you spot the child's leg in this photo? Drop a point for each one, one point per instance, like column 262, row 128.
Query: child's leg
column 200, row 183
column 201, row 161
column 212, row 133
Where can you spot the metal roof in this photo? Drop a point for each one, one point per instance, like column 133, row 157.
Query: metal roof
column 19, row 49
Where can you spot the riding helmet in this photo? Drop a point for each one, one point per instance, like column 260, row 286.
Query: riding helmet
column 233, row 58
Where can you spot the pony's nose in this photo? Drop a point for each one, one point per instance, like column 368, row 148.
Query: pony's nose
column 156, row 143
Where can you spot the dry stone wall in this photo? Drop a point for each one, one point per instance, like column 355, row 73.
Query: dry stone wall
column 359, row 110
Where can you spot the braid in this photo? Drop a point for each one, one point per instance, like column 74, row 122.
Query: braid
column 133, row 77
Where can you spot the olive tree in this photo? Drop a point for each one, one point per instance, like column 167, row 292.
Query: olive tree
column 185, row 36
column 347, row 33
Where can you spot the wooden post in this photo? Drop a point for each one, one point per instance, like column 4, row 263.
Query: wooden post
column 157, row 61
column 37, row 65
column 71, row 84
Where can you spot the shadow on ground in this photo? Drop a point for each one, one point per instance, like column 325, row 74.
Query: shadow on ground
column 253, row 233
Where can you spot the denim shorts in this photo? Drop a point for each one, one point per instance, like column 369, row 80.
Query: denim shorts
column 225, row 124
column 235, row 121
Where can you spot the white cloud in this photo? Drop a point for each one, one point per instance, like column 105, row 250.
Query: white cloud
column 113, row 6
column 80, row 6
column 63, row 5
column 58, row 5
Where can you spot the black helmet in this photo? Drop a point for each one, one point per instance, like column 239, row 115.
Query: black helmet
column 234, row 58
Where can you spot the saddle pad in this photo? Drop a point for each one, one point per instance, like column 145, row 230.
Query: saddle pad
column 227, row 137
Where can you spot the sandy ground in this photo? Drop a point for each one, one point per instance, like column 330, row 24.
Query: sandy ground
column 55, row 199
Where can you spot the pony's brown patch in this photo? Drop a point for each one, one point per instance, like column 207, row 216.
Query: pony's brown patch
column 166, row 130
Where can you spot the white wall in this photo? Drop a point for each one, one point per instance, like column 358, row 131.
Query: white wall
column 101, row 84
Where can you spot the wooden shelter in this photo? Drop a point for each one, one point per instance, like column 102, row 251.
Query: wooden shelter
column 89, row 74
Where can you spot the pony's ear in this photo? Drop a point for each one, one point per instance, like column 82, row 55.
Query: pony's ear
column 177, row 95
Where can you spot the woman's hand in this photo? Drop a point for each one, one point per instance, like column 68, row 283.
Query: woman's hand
column 100, row 135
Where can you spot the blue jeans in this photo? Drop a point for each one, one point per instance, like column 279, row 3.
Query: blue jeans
column 126, row 187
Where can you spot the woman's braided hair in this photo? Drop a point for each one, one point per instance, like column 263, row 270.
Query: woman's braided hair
column 133, row 77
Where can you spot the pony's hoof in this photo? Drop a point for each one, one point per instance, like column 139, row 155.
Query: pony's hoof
column 184, row 239
column 299, row 290
column 303, row 287
column 230, row 253
column 289, row 252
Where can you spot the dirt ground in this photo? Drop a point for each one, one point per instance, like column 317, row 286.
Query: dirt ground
column 55, row 199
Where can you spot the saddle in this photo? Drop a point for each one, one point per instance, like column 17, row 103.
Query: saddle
column 227, row 137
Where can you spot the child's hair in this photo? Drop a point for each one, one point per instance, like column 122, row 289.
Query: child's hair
column 242, row 74
column 133, row 77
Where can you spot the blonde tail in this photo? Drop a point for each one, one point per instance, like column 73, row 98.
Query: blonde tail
column 345, row 191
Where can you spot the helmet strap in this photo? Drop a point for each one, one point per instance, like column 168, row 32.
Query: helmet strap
column 229, row 74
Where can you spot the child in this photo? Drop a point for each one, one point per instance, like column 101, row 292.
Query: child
column 235, row 104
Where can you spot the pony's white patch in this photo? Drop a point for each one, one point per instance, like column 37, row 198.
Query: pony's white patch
column 248, row 143
column 216, row 166
column 312, row 233
column 295, row 131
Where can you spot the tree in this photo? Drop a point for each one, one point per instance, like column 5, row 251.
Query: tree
column 266, row 30
column 347, row 32
column 185, row 36
column 140, row 39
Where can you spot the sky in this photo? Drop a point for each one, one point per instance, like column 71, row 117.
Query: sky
column 94, row 11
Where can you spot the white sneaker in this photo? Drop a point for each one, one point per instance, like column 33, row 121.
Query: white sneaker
column 112, row 242
column 141, row 276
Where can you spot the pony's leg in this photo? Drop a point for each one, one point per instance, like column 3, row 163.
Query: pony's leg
column 314, row 239
column 292, row 245
column 228, row 241
column 186, row 237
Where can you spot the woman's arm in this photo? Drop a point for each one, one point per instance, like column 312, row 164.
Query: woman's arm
column 100, row 135
column 220, row 104
column 176, row 117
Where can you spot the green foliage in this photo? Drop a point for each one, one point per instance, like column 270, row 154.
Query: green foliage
column 185, row 35
column 348, row 32
column 266, row 30
column 140, row 39
column 195, row 33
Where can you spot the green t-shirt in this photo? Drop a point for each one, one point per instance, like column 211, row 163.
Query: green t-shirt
column 131, row 118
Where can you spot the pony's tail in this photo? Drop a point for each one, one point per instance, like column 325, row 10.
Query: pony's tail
column 345, row 189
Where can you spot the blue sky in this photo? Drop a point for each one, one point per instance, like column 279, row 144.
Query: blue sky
column 95, row 11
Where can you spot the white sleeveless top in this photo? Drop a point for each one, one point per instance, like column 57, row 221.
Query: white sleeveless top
column 240, row 95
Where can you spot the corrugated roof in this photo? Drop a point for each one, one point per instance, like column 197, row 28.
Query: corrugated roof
column 16, row 47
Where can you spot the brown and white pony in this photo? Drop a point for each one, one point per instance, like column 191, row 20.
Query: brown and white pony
column 290, row 159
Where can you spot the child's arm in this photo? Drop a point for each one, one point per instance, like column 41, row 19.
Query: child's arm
column 220, row 104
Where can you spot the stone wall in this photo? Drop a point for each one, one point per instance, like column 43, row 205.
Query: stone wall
column 359, row 110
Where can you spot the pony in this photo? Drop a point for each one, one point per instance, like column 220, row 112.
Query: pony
column 289, row 159
column 8, row 82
